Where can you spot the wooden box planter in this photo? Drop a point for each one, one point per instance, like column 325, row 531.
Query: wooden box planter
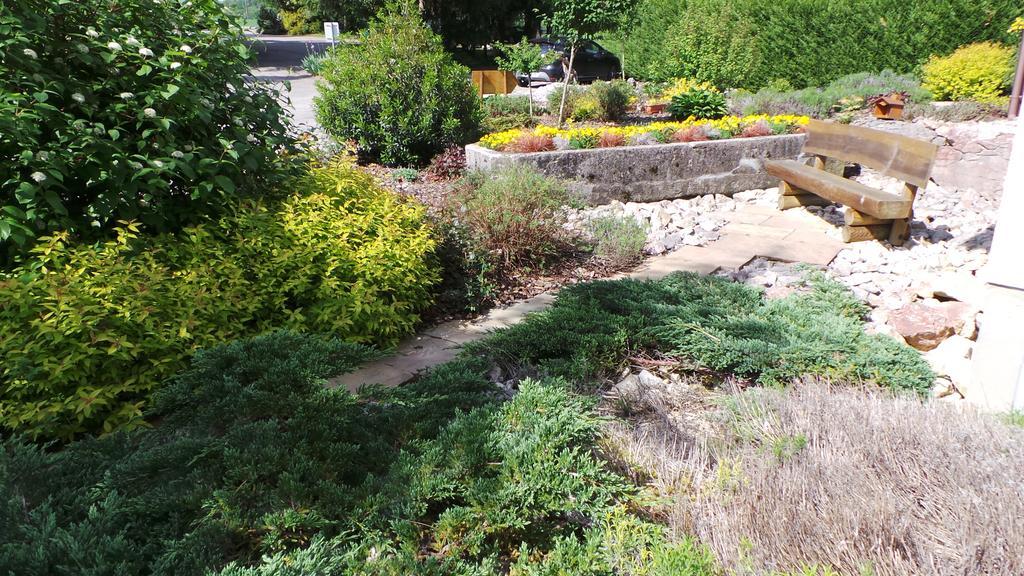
column 888, row 107
column 653, row 172
column 655, row 108
column 493, row 82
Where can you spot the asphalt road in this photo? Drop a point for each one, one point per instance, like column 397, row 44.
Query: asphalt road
column 285, row 51
column 279, row 60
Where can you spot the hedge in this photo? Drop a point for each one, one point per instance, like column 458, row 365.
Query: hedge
column 748, row 43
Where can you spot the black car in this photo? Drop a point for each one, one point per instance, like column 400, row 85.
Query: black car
column 592, row 62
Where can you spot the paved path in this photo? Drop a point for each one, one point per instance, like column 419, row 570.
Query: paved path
column 753, row 231
column 279, row 60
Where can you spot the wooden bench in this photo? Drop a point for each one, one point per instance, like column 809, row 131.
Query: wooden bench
column 869, row 214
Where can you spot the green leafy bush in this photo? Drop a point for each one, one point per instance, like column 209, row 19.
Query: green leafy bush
column 87, row 331
column 749, row 43
column 714, row 324
column 514, row 215
column 699, row 104
column 139, row 112
column 981, row 72
column 398, row 94
column 601, row 100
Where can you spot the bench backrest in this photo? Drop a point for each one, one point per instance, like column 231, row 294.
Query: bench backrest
column 901, row 157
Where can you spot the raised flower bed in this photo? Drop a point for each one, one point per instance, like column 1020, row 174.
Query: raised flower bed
column 644, row 163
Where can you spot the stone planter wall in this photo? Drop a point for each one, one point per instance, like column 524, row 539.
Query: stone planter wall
column 655, row 172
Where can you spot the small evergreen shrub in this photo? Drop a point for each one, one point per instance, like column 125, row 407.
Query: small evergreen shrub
column 398, row 94
column 257, row 468
column 299, row 22
column 981, row 72
column 134, row 111
column 505, row 113
column 514, row 215
column 699, row 104
column 88, row 331
column 962, row 111
column 714, row 324
column 618, row 240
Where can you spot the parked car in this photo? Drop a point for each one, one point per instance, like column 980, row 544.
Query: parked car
column 592, row 62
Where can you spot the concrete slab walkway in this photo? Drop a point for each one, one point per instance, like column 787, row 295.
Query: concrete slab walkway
column 752, row 231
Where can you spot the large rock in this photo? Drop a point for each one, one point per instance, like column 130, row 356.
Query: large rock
column 925, row 324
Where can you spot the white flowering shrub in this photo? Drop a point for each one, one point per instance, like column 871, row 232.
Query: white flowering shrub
column 127, row 109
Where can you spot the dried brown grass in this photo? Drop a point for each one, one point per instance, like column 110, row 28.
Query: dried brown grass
column 859, row 481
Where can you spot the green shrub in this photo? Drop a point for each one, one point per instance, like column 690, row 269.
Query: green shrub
column 962, row 111
column 749, row 43
column 314, row 62
column 713, row 324
column 699, row 104
column 86, row 332
column 505, row 113
column 514, row 214
column 574, row 94
column 848, row 91
column 398, row 94
column 140, row 112
column 299, row 22
column 505, row 105
column 618, row 240
column 257, row 468
column 612, row 98
column 253, row 455
column 981, row 72
column 268, row 21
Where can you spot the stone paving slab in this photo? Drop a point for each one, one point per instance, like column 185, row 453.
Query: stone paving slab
column 377, row 372
column 760, row 230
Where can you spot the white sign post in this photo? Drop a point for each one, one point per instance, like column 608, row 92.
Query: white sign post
column 331, row 31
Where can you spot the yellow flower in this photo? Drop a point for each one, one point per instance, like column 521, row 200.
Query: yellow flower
column 731, row 124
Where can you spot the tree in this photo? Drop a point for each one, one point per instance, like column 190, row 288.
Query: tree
column 520, row 58
column 578, row 20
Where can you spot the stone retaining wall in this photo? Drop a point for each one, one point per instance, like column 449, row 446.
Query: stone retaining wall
column 655, row 172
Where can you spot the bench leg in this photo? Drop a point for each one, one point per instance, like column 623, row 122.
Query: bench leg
column 864, row 233
column 791, row 197
column 901, row 228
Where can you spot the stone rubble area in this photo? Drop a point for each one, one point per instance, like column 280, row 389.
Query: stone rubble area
column 670, row 224
column 924, row 292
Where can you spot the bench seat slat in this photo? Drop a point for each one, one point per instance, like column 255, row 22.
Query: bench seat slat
column 838, row 189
